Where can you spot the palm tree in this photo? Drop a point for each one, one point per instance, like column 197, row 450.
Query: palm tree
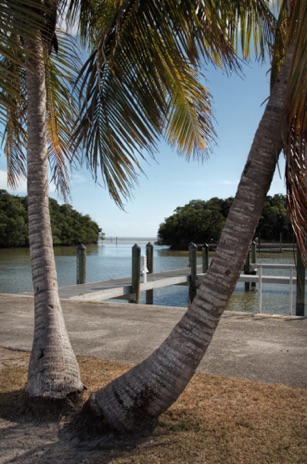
column 137, row 398
column 156, row 90
column 53, row 369
column 37, row 120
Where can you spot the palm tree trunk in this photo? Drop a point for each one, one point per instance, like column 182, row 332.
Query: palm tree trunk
column 53, row 369
column 138, row 397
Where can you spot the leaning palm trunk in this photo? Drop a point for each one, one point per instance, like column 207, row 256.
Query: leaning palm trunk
column 138, row 397
column 53, row 370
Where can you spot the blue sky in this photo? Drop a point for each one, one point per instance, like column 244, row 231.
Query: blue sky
column 172, row 181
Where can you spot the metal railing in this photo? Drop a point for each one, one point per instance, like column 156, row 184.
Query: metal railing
column 291, row 267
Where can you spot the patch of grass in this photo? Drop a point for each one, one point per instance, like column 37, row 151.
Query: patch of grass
column 216, row 420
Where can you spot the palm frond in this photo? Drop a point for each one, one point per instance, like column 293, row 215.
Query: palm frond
column 245, row 25
column 61, row 72
column 20, row 19
column 189, row 121
column 296, row 177
column 13, row 115
column 112, row 131
column 295, row 126
column 141, row 83
column 297, row 85
column 141, row 80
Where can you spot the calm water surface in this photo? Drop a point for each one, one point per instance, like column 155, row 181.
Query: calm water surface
column 112, row 259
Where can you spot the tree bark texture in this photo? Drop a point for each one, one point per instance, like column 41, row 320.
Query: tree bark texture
column 53, row 369
column 139, row 396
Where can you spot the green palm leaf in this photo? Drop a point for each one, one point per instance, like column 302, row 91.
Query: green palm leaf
column 142, row 79
column 62, row 107
column 141, row 83
column 61, row 72
column 13, row 112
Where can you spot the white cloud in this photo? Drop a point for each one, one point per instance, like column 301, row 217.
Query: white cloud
column 227, row 182
column 20, row 189
column 78, row 178
column 207, row 184
column 3, row 180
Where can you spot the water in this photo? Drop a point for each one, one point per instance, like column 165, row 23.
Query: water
column 112, row 259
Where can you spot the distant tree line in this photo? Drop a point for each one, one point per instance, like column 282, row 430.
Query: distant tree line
column 202, row 222
column 68, row 226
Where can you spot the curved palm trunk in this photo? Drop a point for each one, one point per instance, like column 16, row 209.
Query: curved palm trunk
column 53, row 370
column 142, row 394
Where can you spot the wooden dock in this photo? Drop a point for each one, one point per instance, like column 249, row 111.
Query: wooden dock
column 122, row 288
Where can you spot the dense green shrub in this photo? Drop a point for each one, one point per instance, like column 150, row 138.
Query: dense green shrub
column 275, row 220
column 202, row 222
column 68, row 226
column 13, row 221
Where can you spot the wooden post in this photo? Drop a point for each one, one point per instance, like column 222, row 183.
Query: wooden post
column 247, row 271
column 253, row 260
column 253, row 253
column 205, row 257
column 150, row 267
column 81, row 264
column 136, row 273
column 193, row 265
column 300, row 285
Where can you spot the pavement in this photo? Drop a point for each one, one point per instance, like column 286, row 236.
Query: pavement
column 259, row 348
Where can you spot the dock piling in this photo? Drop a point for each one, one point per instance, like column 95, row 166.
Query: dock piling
column 193, row 265
column 81, row 264
column 300, row 285
column 247, row 270
column 136, row 273
column 205, row 257
column 253, row 258
column 150, row 267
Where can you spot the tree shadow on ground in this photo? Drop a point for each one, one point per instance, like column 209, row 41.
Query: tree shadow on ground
column 87, row 430
column 48, row 434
